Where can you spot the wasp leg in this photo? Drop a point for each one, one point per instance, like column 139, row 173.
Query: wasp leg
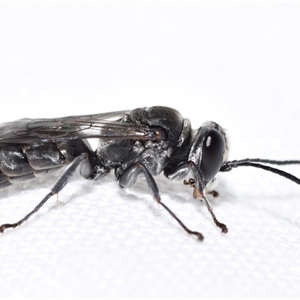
column 214, row 193
column 222, row 226
column 191, row 183
column 56, row 188
column 129, row 177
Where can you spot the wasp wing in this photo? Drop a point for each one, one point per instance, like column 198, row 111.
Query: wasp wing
column 104, row 125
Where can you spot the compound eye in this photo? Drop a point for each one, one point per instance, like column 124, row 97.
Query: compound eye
column 212, row 154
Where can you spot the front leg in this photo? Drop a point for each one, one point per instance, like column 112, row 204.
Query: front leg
column 191, row 183
column 129, row 177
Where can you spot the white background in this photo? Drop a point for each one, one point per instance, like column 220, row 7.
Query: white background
column 235, row 63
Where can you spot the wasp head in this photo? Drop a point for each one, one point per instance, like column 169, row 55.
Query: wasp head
column 209, row 151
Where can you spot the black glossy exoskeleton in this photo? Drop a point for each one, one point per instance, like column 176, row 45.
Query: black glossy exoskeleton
column 144, row 141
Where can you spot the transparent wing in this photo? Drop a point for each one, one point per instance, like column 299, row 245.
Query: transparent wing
column 105, row 125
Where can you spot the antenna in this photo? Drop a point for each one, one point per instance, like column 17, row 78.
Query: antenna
column 260, row 164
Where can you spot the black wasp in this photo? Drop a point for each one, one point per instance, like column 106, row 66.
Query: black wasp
column 144, row 141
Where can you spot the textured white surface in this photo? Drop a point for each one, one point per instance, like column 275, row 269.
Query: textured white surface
column 235, row 63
